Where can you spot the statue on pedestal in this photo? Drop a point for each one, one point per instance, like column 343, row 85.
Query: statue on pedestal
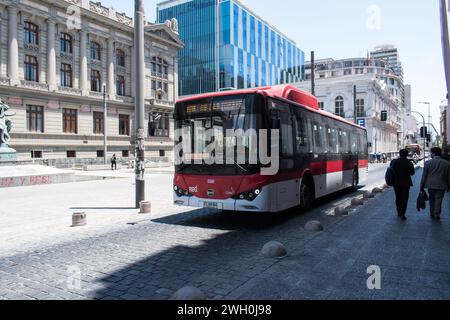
column 6, row 153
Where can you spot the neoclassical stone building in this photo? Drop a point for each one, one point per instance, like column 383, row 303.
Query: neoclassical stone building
column 57, row 58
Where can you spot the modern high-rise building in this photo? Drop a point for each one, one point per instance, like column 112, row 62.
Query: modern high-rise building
column 229, row 46
column 389, row 54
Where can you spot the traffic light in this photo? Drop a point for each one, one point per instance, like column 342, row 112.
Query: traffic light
column 384, row 116
column 423, row 132
column 428, row 137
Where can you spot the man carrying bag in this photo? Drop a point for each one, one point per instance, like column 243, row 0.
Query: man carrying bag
column 399, row 176
column 436, row 178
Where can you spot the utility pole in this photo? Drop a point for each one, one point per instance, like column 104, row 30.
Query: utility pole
column 139, row 101
column 313, row 74
column 354, row 105
column 105, row 127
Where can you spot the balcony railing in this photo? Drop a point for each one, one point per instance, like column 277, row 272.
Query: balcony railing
column 96, row 94
column 361, row 114
column 4, row 81
column 69, row 90
column 34, row 85
column 162, row 133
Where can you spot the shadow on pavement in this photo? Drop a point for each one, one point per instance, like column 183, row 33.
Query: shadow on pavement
column 102, row 208
column 217, row 263
column 230, row 220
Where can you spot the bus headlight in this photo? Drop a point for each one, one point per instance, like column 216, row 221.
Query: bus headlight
column 249, row 195
column 181, row 192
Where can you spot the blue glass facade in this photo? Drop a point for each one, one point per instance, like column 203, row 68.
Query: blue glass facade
column 250, row 52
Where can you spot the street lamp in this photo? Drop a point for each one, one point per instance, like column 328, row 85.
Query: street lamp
column 105, row 127
column 139, row 101
column 425, row 139
column 429, row 114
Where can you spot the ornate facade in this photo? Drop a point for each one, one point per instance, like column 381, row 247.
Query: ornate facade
column 58, row 59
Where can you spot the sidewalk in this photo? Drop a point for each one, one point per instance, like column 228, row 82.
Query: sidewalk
column 413, row 256
column 123, row 255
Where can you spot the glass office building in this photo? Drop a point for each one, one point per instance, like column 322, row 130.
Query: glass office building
column 228, row 46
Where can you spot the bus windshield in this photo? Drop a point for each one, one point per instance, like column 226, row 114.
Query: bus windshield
column 208, row 129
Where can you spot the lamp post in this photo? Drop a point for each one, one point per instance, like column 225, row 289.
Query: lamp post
column 425, row 139
column 105, row 127
column 429, row 114
column 139, row 101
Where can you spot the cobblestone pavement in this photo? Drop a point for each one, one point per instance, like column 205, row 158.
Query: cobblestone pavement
column 150, row 257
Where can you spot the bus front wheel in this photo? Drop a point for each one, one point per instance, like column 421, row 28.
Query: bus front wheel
column 306, row 194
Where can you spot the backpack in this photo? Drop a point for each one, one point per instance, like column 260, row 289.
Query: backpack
column 390, row 176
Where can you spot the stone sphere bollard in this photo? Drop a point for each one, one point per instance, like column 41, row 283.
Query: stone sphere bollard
column 145, row 207
column 79, row 219
column 377, row 190
column 341, row 211
column 274, row 249
column 357, row 202
column 313, row 226
column 368, row 195
column 189, row 293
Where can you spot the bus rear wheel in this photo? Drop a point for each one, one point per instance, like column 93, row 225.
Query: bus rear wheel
column 306, row 194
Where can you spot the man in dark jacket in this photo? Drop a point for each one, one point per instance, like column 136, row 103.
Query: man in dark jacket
column 404, row 169
column 436, row 178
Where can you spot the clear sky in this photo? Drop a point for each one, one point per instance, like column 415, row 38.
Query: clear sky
column 351, row 28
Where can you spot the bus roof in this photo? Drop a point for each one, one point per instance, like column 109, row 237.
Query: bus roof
column 285, row 92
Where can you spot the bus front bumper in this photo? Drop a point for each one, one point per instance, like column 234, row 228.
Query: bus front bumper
column 259, row 204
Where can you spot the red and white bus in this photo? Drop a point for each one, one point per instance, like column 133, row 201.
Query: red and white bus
column 320, row 153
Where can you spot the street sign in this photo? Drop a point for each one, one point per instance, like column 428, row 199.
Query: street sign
column 362, row 122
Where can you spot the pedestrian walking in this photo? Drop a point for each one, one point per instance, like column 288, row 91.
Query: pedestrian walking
column 403, row 170
column 445, row 154
column 114, row 162
column 436, row 178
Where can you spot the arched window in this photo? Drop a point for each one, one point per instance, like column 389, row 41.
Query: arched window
column 120, row 58
column 66, row 43
column 31, row 33
column 339, row 106
column 95, row 51
column 360, row 112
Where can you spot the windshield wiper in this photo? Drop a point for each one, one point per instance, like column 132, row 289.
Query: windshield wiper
column 241, row 167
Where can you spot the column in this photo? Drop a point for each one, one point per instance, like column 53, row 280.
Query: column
column 83, row 64
column 13, row 48
column 51, row 55
column 175, row 80
column 111, row 80
column 133, row 72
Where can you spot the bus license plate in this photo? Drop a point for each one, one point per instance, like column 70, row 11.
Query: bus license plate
column 212, row 205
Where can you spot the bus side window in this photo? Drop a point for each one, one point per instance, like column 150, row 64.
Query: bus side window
column 287, row 147
column 318, row 145
column 354, row 138
column 332, row 139
column 344, row 143
column 281, row 119
column 302, row 138
column 363, row 144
